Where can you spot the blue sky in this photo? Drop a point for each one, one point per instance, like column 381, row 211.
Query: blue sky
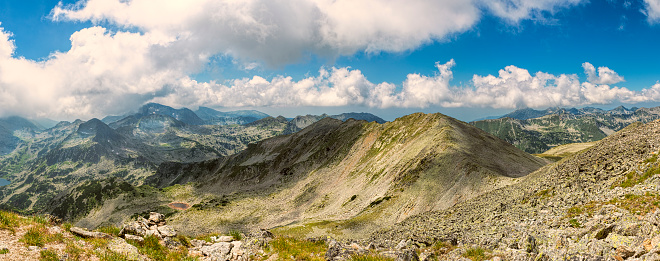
column 467, row 59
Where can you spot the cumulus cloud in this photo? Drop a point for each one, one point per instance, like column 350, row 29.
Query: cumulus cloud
column 278, row 32
column 605, row 75
column 652, row 10
column 512, row 88
column 108, row 72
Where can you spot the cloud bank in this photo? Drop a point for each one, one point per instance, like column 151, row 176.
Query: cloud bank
column 108, row 73
column 161, row 42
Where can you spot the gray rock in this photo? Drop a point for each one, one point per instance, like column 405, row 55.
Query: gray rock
column 134, row 228
column 88, row 234
column 408, row 255
column 134, row 238
column 156, row 218
column 401, row 245
column 199, row 243
column 34, row 248
column 119, row 246
column 152, row 232
column 217, row 250
column 334, row 250
column 222, row 239
column 166, row 231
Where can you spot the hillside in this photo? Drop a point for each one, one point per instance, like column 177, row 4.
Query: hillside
column 601, row 202
column 333, row 177
column 537, row 131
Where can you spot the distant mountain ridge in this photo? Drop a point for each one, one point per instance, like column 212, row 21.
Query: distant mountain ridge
column 43, row 162
column 357, row 175
column 536, row 131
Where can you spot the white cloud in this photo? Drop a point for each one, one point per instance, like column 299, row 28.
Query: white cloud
column 513, row 88
column 109, row 73
column 278, row 32
column 652, row 10
column 605, row 75
column 112, row 72
column 517, row 10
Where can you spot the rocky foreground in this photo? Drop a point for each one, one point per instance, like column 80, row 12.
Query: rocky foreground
column 600, row 204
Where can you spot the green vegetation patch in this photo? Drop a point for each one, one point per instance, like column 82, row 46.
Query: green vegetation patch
column 636, row 204
column 48, row 255
column 9, row 221
column 574, row 223
column 633, row 178
column 289, row 248
column 35, row 236
column 476, row 254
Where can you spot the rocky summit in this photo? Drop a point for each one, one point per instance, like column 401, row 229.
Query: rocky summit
column 599, row 204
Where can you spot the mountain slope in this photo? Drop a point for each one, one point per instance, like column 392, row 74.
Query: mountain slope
column 353, row 176
column 601, row 202
column 557, row 126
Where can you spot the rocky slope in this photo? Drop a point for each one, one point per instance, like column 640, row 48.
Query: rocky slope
column 599, row 204
column 339, row 178
column 537, row 131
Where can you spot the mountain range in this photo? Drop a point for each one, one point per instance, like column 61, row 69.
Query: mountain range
column 536, row 131
column 351, row 176
column 425, row 183
column 41, row 163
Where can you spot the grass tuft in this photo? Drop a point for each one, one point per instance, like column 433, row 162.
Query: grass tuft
column 35, row 236
column 476, row 254
column 237, row 235
column 48, row 255
column 9, row 221
column 112, row 230
column 574, row 223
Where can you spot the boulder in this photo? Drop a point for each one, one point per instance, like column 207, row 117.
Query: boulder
column 156, row 218
column 134, row 238
column 119, row 246
column 217, row 251
column 88, row 234
column 408, row 255
column 166, row 231
column 133, row 228
column 334, row 250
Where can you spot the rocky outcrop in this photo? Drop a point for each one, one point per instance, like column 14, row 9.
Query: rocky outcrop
column 154, row 226
column 600, row 204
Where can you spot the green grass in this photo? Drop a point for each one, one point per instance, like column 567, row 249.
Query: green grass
column 237, row 235
column 4, row 251
column 289, row 248
column 48, row 255
column 112, row 230
column 9, row 221
column 207, row 237
column 112, row 256
column 574, row 223
column 73, row 251
column 35, row 236
column 476, row 254
column 151, row 248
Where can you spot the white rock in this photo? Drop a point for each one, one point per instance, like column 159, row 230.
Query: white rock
column 166, row 231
